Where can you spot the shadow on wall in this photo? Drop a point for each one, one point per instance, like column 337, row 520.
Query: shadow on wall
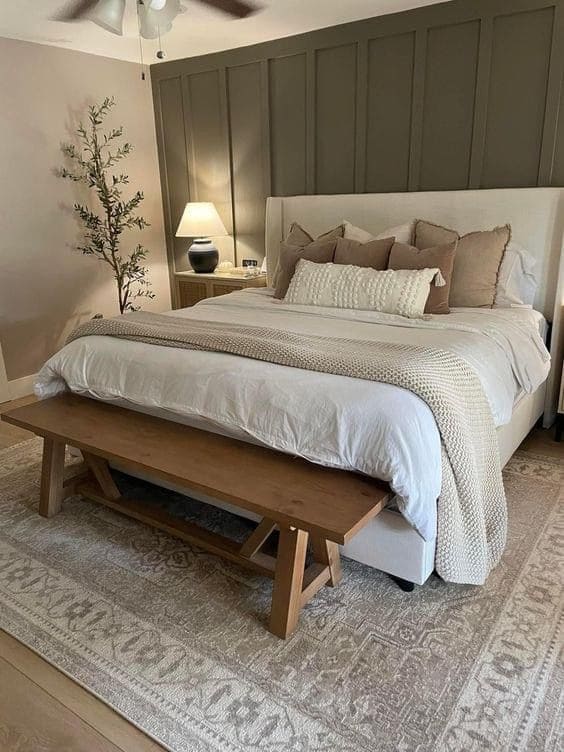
column 30, row 341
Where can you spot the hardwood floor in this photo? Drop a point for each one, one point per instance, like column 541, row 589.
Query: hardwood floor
column 42, row 710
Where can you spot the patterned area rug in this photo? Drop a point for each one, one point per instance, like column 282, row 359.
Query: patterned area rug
column 174, row 639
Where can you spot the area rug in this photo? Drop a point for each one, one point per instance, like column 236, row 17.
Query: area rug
column 175, row 639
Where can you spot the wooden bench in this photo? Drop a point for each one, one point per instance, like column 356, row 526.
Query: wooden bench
column 302, row 500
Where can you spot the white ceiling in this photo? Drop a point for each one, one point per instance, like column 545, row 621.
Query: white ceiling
column 198, row 31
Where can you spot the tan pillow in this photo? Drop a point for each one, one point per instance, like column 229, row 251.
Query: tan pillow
column 320, row 252
column 441, row 257
column 477, row 263
column 297, row 236
column 428, row 235
column 374, row 254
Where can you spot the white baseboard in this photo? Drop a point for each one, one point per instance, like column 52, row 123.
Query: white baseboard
column 21, row 387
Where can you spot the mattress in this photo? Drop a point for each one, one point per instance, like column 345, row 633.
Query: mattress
column 352, row 424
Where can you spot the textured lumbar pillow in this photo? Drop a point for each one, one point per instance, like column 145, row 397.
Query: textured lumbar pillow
column 402, row 233
column 478, row 260
column 374, row 253
column 299, row 238
column 403, row 256
column 403, row 292
column 320, row 251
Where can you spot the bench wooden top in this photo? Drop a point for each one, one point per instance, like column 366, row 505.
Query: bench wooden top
column 286, row 489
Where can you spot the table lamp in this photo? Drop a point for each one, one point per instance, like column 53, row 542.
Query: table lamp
column 201, row 221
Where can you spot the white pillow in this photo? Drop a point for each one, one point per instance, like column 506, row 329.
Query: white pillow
column 402, row 233
column 516, row 283
column 403, row 292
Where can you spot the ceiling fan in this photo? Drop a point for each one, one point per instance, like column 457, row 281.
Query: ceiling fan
column 155, row 16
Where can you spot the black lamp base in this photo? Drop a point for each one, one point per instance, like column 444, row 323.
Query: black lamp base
column 203, row 256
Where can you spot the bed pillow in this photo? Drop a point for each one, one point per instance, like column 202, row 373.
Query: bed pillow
column 517, row 283
column 405, row 256
column 403, row 292
column 297, row 236
column 375, row 253
column 319, row 251
column 477, row 263
column 402, row 233
column 428, row 234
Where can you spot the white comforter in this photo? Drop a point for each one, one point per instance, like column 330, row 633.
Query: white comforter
column 377, row 429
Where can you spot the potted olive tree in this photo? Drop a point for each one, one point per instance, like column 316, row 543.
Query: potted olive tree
column 93, row 162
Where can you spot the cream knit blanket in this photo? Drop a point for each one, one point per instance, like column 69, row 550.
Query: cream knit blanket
column 472, row 515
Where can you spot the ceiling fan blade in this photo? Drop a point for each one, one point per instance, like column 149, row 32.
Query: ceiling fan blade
column 74, row 11
column 236, row 8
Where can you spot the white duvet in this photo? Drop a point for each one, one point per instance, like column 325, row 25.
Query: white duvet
column 377, row 429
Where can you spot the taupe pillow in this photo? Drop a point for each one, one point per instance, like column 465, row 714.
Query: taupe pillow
column 428, row 235
column 403, row 256
column 477, row 263
column 297, row 236
column 374, row 254
column 320, row 252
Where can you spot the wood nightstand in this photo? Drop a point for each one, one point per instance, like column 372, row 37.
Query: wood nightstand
column 190, row 287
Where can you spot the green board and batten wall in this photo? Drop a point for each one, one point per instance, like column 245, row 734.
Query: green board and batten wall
column 452, row 96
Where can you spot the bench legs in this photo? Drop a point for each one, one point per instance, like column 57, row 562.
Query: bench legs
column 52, row 478
column 294, row 584
column 101, row 471
column 288, row 581
column 326, row 552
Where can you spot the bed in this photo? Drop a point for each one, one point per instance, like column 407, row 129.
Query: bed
column 393, row 436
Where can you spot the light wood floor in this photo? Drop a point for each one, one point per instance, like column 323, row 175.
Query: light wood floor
column 43, row 710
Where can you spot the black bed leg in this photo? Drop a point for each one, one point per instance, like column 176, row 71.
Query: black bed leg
column 405, row 585
column 559, row 427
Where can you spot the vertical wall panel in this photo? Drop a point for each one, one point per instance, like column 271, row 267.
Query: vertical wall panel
column 390, row 81
column 248, row 158
column 335, row 100
column 288, row 124
column 558, row 167
column 174, row 155
column 208, row 148
column 450, row 96
column 448, row 112
column 517, row 96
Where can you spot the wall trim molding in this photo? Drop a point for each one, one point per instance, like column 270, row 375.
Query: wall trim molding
column 21, row 387
column 428, row 99
column 4, row 387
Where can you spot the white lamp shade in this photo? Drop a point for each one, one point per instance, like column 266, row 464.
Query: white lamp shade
column 109, row 15
column 200, row 220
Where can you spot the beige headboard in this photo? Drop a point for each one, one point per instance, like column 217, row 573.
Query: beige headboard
column 536, row 216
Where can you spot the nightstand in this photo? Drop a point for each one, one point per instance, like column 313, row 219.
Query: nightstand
column 190, row 287
column 560, row 416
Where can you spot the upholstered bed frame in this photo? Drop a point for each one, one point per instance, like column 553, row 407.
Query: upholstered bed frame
column 536, row 216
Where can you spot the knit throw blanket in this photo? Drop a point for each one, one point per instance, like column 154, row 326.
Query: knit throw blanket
column 472, row 515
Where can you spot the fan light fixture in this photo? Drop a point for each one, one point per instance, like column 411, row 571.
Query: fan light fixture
column 155, row 21
column 109, row 15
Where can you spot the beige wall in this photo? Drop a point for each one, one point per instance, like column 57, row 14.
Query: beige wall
column 46, row 287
